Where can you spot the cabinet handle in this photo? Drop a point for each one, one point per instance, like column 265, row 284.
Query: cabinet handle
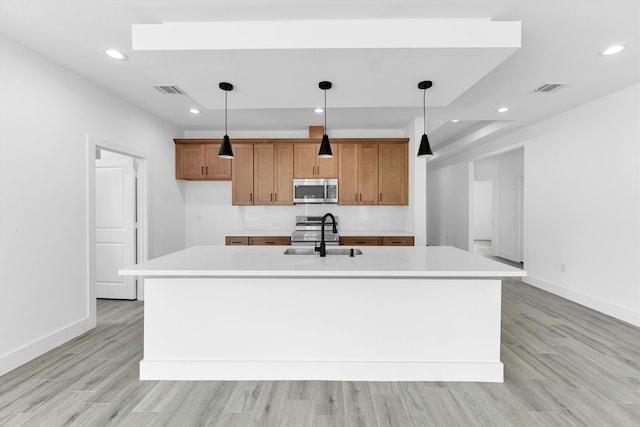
column 360, row 243
column 318, row 170
column 360, row 196
column 206, row 170
column 395, row 242
column 271, row 196
column 201, row 170
column 269, row 243
column 380, row 197
column 251, row 197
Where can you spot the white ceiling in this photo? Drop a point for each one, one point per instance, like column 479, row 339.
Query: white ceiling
column 373, row 88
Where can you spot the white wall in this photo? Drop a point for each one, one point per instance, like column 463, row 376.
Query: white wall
column 46, row 115
column 209, row 215
column 448, row 217
column 581, row 202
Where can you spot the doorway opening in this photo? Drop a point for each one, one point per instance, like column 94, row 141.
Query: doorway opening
column 496, row 214
column 483, row 232
column 117, row 224
column 117, row 220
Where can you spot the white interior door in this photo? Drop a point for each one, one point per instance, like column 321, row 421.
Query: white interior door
column 115, row 227
column 483, row 210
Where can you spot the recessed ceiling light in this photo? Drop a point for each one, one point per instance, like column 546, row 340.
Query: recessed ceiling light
column 194, row 111
column 455, row 120
column 502, row 109
column 319, row 110
column 116, row 54
column 613, row 50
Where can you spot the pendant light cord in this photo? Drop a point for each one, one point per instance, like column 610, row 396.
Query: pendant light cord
column 325, row 111
column 225, row 111
column 424, row 111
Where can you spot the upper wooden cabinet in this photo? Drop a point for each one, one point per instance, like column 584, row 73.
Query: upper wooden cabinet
column 201, row 162
column 358, row 174
column 373, row 174
column 283, row 174
column 262, row 174
column 242, row 175
column 307, row 164
column 370, row 171
column 393, row 174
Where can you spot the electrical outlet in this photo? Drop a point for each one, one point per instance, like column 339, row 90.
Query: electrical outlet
column 563, row 267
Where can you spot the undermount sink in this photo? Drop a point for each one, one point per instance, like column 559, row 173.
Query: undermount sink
column 330, row 251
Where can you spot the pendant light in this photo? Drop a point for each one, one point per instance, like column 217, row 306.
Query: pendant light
column 225, row 148
column 424, row 149
column 325, row 147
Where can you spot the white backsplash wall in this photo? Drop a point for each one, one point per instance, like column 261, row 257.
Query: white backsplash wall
column 209, row 215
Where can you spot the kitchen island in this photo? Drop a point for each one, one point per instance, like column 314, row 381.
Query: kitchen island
column 390, row 314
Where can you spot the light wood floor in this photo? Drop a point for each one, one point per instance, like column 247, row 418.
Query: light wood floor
column 565, row 365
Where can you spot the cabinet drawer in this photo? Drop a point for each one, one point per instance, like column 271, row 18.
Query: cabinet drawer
column 361, row 240
column 270, row 240
column 236, row 240
column 397, row 241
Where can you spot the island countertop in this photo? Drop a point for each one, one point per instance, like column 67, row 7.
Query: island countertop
column 270, row 261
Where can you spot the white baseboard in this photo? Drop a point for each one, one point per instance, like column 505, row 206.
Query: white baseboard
column 212, row 370
column 597, row 304
column 22, row 355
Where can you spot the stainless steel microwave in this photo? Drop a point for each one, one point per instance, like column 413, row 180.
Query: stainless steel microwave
column 315, row 191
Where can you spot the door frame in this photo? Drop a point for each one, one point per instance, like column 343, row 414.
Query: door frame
column 142, row 203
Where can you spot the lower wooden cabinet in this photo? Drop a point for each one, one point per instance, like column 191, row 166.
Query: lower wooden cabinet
column 270, row 240
column 257, row 240
column 361, row 240
column 397, row 241
column 236, row 240
column 377, row 240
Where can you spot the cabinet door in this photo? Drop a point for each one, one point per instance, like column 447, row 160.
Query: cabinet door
column 283, row 174
column 304, row 160
column 393, row 174
column 190, row 161
column 327, row 168
column 348, row 193
column 368, row 174
column 263, row 174
column 397, row 241
column 361, row 240
column 270, row 240
column 236, row 240
column 216, row 169
column 242, row 175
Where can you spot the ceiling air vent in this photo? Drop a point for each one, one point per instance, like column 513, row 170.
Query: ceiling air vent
column 169, row 89
column 550, row 87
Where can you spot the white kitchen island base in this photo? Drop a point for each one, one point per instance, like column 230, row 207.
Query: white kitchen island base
column 330, row 327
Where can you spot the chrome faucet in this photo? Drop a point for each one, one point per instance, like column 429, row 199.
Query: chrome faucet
column 323, row 246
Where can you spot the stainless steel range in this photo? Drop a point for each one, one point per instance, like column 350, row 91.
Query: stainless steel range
column 308, row 231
